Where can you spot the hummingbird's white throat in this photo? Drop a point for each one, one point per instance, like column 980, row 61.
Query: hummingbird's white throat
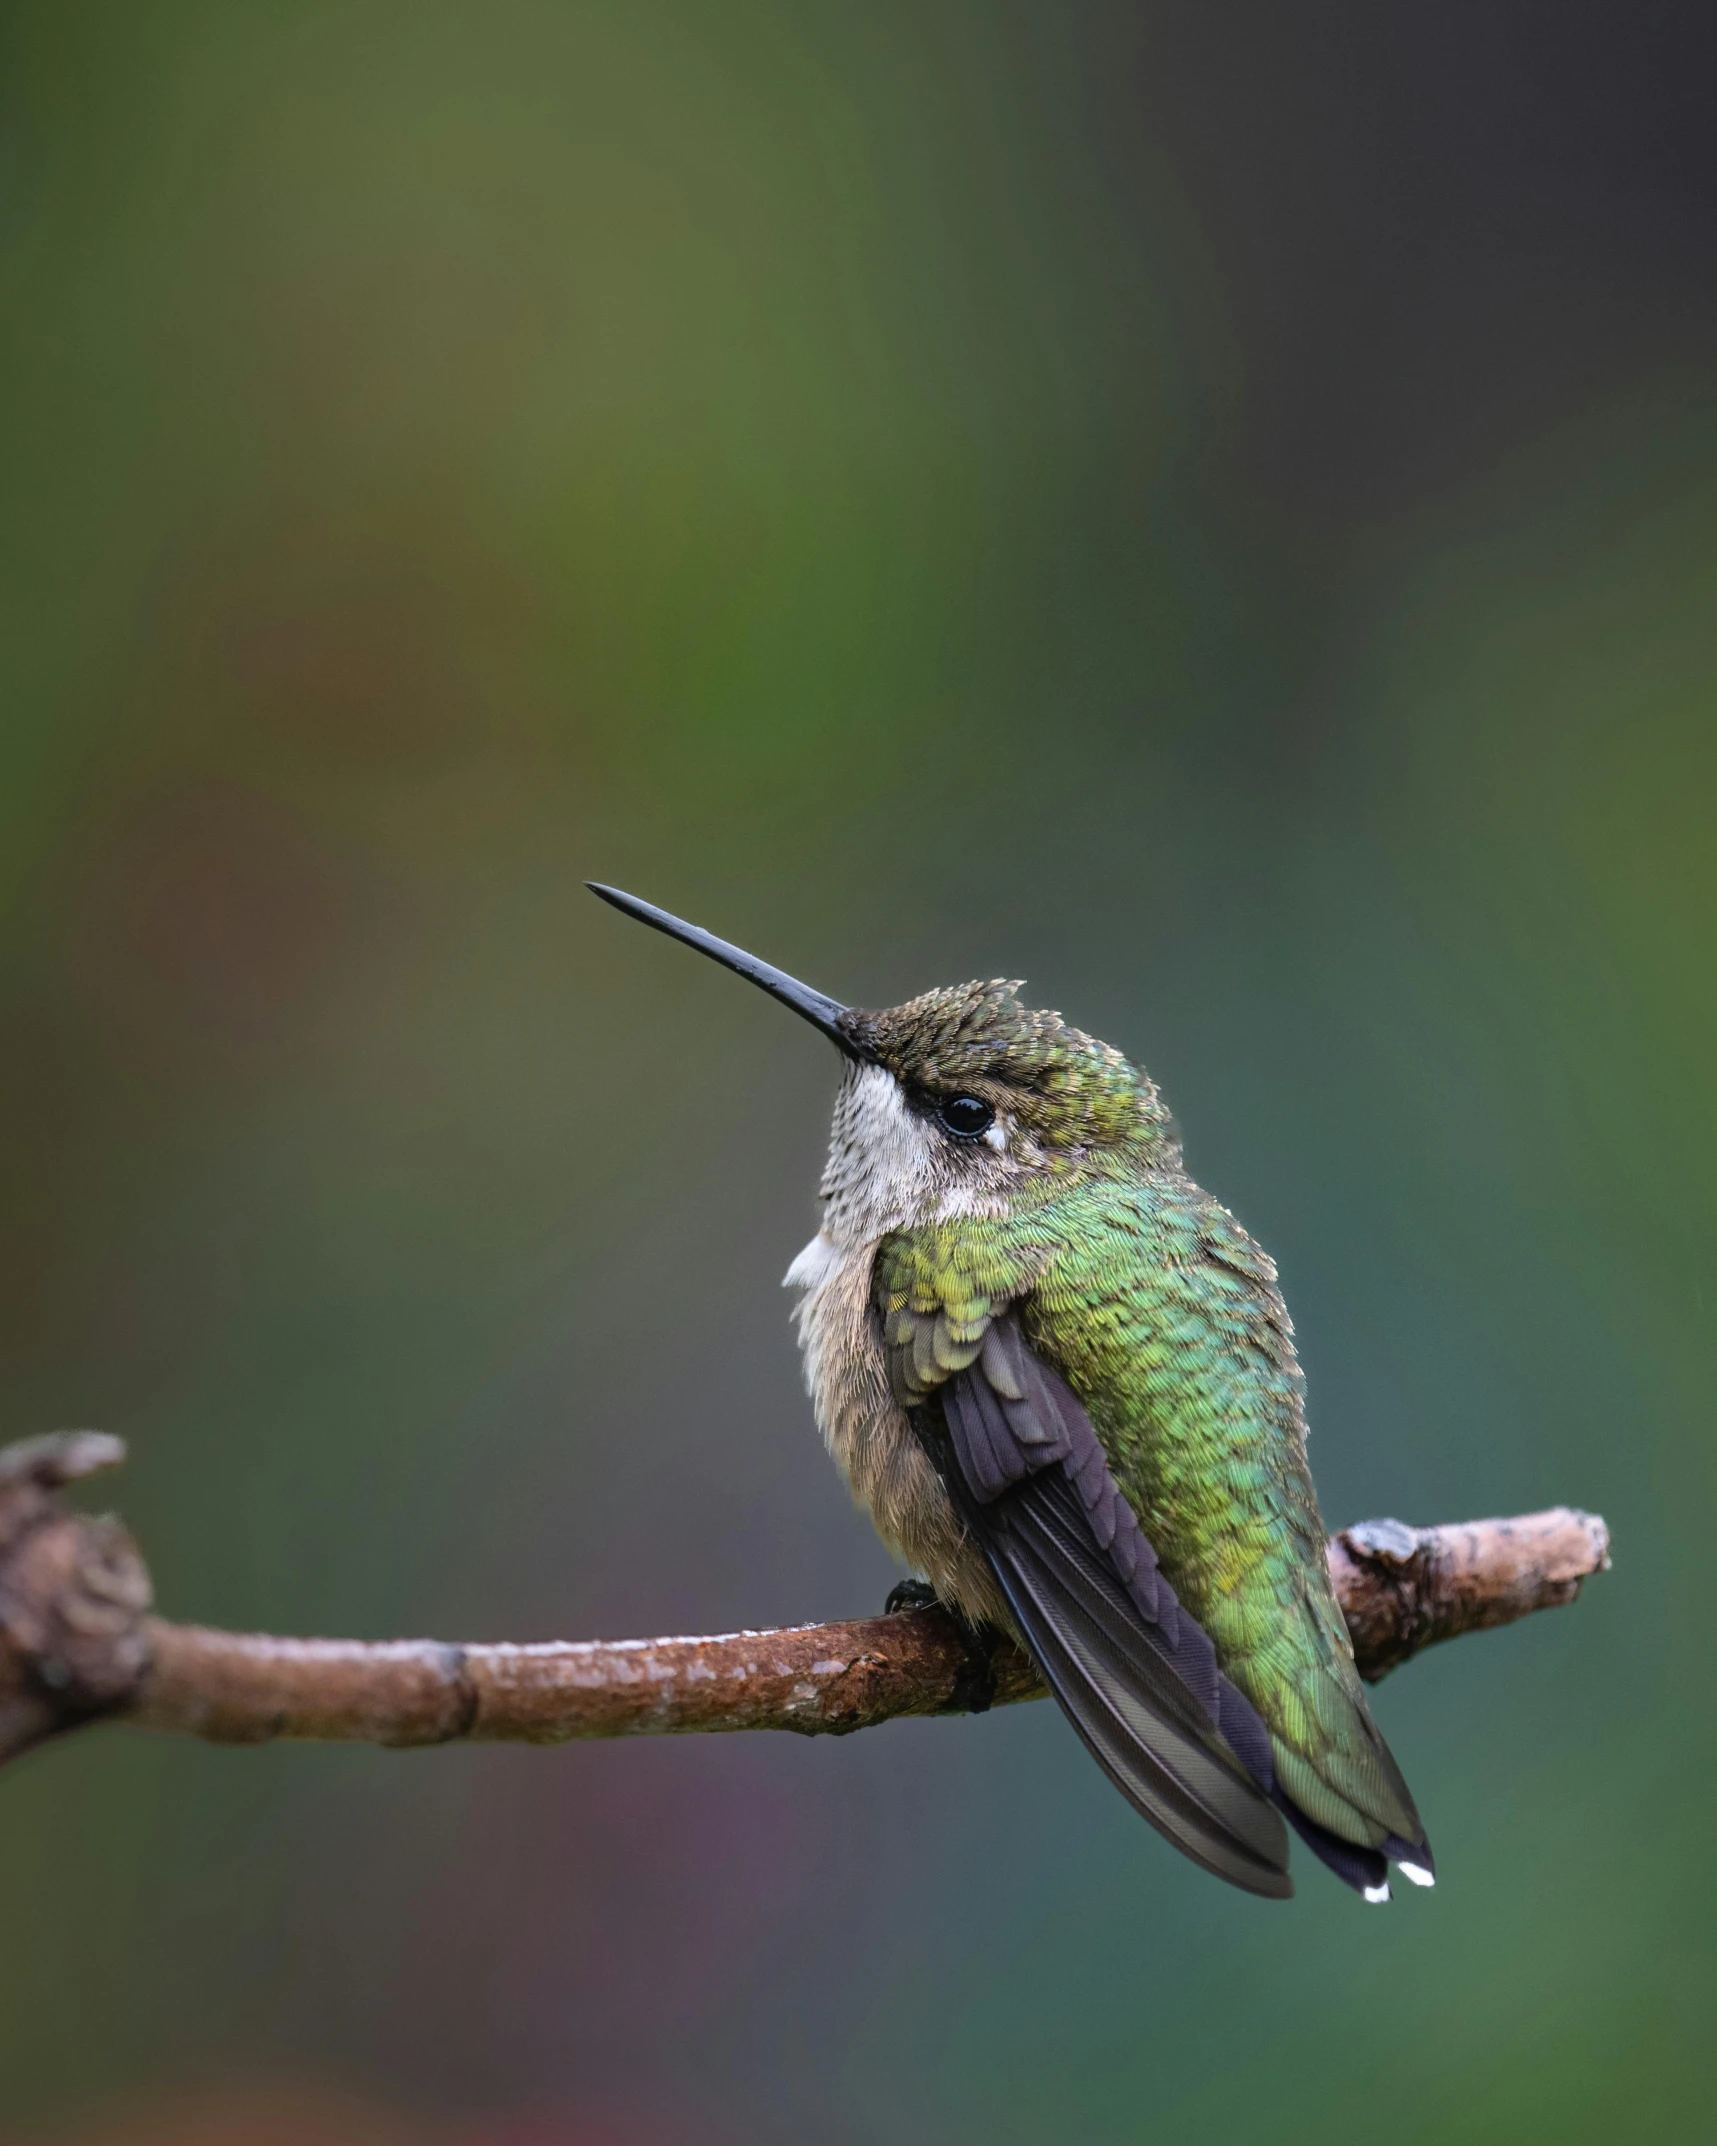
column 890, row 1167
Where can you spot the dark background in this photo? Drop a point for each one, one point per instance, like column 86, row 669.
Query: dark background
column 1212, row 509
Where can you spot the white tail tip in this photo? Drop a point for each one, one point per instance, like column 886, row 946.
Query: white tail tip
column 1415, row 1875
column 1376, row 1894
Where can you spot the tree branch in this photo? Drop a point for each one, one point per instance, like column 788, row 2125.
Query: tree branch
column 77, row 1642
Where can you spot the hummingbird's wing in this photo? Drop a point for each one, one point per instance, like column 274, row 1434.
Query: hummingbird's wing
column 1134, row 1671
column 1183, row 1348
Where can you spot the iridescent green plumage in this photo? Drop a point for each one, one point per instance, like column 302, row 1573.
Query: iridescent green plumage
column 1164, row 1317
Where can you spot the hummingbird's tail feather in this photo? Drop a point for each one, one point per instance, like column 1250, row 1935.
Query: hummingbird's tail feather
column 1337, row 1781
column 1413, row 1859
column 1361, row 1862
column 1365, row 1869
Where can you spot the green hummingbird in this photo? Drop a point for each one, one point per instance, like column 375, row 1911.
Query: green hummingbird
column 1061, row 1379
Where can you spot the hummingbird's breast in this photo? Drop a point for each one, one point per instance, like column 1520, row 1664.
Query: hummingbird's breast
column 867, row 1433
column 886, row 1171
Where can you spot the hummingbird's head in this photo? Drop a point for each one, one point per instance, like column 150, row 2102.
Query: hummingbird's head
column 962, row 1101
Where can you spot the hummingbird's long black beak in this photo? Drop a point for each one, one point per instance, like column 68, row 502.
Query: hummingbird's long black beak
column 828, row 1014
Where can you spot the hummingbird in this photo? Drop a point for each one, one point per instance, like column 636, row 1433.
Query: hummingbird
column 1061, row 1380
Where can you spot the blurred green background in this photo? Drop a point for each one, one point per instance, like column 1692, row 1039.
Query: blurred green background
column 1211, row 510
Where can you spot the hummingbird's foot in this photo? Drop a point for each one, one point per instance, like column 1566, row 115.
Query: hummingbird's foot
column 975, row 1686
column 909, row 1595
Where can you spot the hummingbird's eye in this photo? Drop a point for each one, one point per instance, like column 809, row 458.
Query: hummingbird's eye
column 965, row 1117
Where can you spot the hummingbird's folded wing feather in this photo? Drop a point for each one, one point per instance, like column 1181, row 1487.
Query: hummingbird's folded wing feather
column 1134, row 1672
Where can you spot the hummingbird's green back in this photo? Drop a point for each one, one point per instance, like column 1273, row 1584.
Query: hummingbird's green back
column 1163, row 1316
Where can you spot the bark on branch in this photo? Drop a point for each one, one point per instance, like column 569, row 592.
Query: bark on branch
column 77, row 1642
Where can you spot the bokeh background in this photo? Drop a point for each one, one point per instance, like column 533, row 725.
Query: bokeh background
column 1213, row 510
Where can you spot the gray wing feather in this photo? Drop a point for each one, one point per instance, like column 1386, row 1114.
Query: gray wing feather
column 1133, row 1671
